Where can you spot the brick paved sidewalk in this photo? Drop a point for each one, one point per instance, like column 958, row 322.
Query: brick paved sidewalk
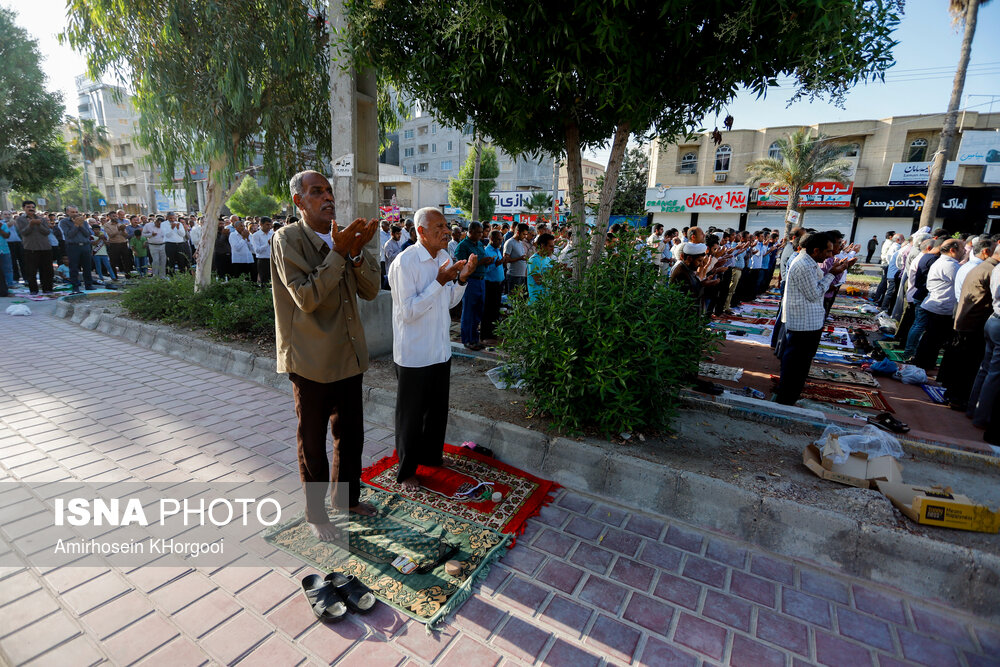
column 588, row 583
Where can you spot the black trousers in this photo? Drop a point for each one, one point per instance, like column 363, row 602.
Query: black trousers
column 80, row 260
column 883, row 284
column 222, row 264
column 39, row 262
column 905, row 322
column 263, row 270
column 338, row 404
column 938, row 333
column 177, row 254
column 720, row 293
column 421, row 416
column 491, row 308
column 797, row 353
column 121, row 257
column 962, row 358
column 245, row 269
column 17, row 260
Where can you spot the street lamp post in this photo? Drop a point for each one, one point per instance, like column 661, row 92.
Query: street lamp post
column 86, row 184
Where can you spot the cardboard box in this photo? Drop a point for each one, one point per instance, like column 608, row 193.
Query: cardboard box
column 941, row 507
column 858, row 470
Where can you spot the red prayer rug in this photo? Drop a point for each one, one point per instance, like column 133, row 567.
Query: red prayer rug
column 842, row 395
column 465, row 488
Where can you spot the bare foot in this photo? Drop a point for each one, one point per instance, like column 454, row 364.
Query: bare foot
column 324, row 532
column 364, row 509
column 411, row 484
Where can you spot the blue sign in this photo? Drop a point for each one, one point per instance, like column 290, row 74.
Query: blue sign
column 102, row 202
column 627, row 220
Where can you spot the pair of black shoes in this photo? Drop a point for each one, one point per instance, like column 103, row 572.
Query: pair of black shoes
column 333, row 595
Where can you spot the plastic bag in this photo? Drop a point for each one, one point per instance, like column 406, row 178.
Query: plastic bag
column 884, row 367
column 838, row 443
column 912, row 374
column 18, row 309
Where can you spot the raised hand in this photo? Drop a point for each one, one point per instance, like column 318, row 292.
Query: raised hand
column 344, row 239
column 448, row 271
column 366, row 232
column 469, row 268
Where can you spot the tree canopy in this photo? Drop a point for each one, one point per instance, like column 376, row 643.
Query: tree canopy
column 249, row 199
column 66, row 191
column 554, row 78
column 32, row 154
column 460, row 188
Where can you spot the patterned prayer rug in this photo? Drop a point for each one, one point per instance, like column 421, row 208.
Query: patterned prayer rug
column 935, row 393
column 465, row 488
column 841, row 395
column 719, row 372
column 419, row 538
column 737, row 326
column 847, row 376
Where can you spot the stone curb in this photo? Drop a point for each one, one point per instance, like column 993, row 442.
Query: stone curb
column 957, row 576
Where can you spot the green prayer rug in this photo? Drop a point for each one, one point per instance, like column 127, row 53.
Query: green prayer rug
column 424, row 537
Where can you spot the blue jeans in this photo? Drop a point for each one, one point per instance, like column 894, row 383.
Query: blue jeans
column 917, row 330
column 984, row 391
column 140, row 265
column 102, row 261
column 80, row 257
column 7, row 269
column 472, row 310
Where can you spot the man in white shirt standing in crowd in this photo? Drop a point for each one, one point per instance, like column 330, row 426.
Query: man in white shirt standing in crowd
column 980, row 251
column 939, row 303
column 260, row 240
column 884, row 260
column 384, row 234
column 422, row 279
column 892, row 272
column 175, row 238
column 656, row 246
column 802, row 313
column 456, row 238
column 392, row 248
column 155, row 233
column 517, row 251
column 194, row 236
column 242, row 257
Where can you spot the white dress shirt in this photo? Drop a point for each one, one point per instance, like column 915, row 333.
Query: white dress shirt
column 963, row 271
column 884, row 252
column 757, row 259
column 391, row 250
column 154, row 235
column 172, row 235
column 452, row 247
column 941, row 299
column 242, row 252
column 383, row 238
column 194, row 234
column 802, row 303
column 261, row 243
column 421, row 324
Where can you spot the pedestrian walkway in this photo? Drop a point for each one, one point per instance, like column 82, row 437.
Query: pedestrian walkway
column 589, row 583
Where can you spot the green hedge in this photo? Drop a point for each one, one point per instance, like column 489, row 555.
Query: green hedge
column 234, row 307
column 610, row 352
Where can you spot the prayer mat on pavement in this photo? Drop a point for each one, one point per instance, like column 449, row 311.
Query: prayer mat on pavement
column 719, row 372
column 847, row 376
column 737, row 326
column 418, row 538
column 465, row 488
column 935, row 393
column 840, row 395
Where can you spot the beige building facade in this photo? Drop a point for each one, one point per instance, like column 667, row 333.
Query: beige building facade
column 880, row 151
column 591, row 172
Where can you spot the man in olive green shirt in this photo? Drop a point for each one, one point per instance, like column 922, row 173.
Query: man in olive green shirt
column 317, row 272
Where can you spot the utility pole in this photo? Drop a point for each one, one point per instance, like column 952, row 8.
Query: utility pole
column 354, row 132
column 475, row 178
column 555, row 188
column 83, row 158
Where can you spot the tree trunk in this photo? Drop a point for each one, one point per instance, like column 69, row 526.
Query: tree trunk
column 475, row 177
column 793, row 205
column 929, row 212
column 608, row 189
column 574, row 170
column 214, row 199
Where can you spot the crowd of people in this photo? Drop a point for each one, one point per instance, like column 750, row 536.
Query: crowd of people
column 87, row 250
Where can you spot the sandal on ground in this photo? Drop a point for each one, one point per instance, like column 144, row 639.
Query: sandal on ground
column 887, row 422
column 355, row 594
column 323, row 598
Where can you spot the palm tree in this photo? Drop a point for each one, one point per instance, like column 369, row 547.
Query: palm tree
column 961, row 11
column 804, row 159
column 538, row 204
column 91, row 141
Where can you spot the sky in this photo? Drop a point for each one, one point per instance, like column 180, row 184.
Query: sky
column 920, row 82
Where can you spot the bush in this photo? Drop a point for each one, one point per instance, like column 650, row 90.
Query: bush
column 234, row 307
column 610, row 352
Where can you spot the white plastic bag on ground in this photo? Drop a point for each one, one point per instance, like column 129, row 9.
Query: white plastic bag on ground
column 910, row 374
column 496, row 376
column 18, row 309
column 838, row 443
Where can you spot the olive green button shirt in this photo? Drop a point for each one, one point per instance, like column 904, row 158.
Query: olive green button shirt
column 316, row 319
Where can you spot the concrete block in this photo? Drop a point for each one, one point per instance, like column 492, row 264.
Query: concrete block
column 380, row 407
column 519, row 446
column 161, row 339
column 79, row 313
column 240, row 363
column 64, row 309
column 376, row 318
column 146, row 335
column 131, row 330
column 464, row 426
column 93, row 319
column 104, row 323
column 577, row 465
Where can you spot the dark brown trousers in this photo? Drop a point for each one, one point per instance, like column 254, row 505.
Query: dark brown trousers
column 339, row 404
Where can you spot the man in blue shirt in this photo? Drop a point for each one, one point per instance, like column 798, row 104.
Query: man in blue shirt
column 495, row 275
column 474, row 299
column 77, row 236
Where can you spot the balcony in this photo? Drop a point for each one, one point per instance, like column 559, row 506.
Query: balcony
column 401, row 202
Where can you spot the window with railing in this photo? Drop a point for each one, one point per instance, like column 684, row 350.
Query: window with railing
column 723, row 155
column 918, row 151
column 689, row 163
column 774, row 151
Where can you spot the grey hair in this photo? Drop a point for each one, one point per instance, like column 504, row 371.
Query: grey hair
column 420, row 217
column 295, row 183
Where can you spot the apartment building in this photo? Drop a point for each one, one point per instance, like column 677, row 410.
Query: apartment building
column 697, row 182
column 591, row 172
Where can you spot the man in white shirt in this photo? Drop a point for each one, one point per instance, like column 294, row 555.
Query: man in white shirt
column 422, row 279
column 884, row 259
column 260, row 241
column 194, row 236
column 456, row 238
column 242, row 252
column 393, row 246
column 175, row 237
column 656, row 245
column 939, row 304
column 892, row 272
column 155, row 233
column 384, row 234
column 802, row 313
